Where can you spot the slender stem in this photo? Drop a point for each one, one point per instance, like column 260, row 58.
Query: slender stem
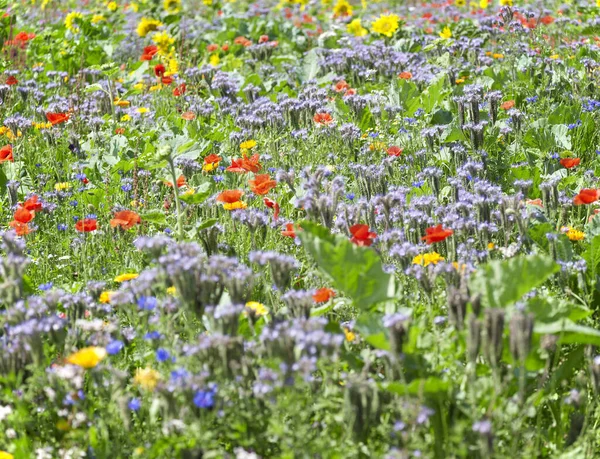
column 177, row 202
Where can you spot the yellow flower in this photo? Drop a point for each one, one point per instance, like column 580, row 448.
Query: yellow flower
column 105, row 297
column 342, row 8
column 506, row 2
column 235, row 205
column 122, row 103
column 156, row 87
column 554, row 57
column 355, row 28
column 172, row 6
column 163, row 41
column 483, row 4
column 214, row 59
column 350, row 336
column 147, row 378
column 210, row 166
column 427, row 259
column 62, row 186
column 142, row 110
column 5, row 455
column 491, row 246
column 139, row 86
column 147, row 25
column 70, row 21
column 575, row 235
column 258, row 308
column 126, row 277
column 598, row 3
column 112, row 6
column 125, row 118
column 207, row 2
column 171, row 291
column 386, row 25
column 248, row 144
column 446, row 33
column 96, row 18
column 460, row 2
column 87, row 357
column 498, row 56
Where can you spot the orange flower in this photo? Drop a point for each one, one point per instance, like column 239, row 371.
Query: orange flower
column 361, row 235
column 262, row 184
column 188, row 116
column 167, row 80
column 6, row 153
column 507, row 105
column 323, row 295
column 436, row 234
column 126, row 219
column 569, row 163
column 22, row 215
column 86, row 225
column 21, row 229
column 180, row 182
column 159, row 70
column 395, row 151
column 32, row 204
column 341, row 86
column 57, row 118
column 535, row 202
column 586, row 196
column 230, row 196
column 289, row 230
column 179, row 90
column 245, row 164
column 323, row 119
column 149, row 52
column 11, row 80
column 405, row 76
column 272, row 205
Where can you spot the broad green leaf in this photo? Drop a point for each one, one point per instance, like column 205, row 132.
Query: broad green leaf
column 370, row 326
column 200, row 194
column 93, row 88
column 310, row 68
column 155, row 216
column 430, row 387
column 504, row 282
column 355, row 271
column 570, row 332
column 592, row 256
column 550, row 309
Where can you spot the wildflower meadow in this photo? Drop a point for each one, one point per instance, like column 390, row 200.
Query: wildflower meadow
column 299, row 229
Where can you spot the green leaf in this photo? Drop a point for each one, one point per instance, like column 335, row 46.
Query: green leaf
column 370, row 326
column 570, row 332
column 355, row 271
column 310, row 68
column 592, row 257
column 200, row 194
column 503, row 282
column 550, row 309
column 155, row 216
column 93, row 88
column 430, row 387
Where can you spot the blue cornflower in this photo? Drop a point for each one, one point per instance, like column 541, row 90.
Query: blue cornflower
column 204, row 399
column 62, row 227
column 147, row 303
column 114, row 347
column 47, row 286
column 134, row 404
column 162, row 355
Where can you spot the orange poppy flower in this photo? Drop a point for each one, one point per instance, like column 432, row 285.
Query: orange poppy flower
column 126, row 219
column 188, row 116
column 32, row 204
column 361, row 235
column 22, row 215
column 586, row 196
column 180, row 182
column 212, row 47
column 405, row 76
column 323, row 295
column 569, row 163
column 395, row 151
column 167, row 80
column 245, row 164
column 11, row 80
column 262, row 184
column 149, row 52
column 6, row 153
column 230, row 196
column 212, row 158
column 323, row 119
column 86, row 225
column 535, row 202
column 507, row 105
column 289, row 230
column 341, row 86
column 436, row 234
column 179, row 90
column 57, row 118
column 272, row 205
column 159, row 70
column 21, row 229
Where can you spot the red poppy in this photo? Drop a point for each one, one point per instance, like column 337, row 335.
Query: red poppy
column 262, row 184
column 86, row 225
column 586, row 196
column 242, row 41
column 11, row 80
column 32, row 204
column 507, row 105
column 159, row 70
column 245, row 164
column 120, row 131
column 22, row 215
column 167, row 80
column 21, row 229
column 6, row 153
column 272, row 205
column 547, row 20
column 180, row 182
column 212, row 158
column 126, row 219
column 395, row 151
column 323, row 119
column 323, row 295
column 230, row 196
column 535, row 202
column 212, row 47
column 289, row 230
column 569, row 163
column 361, row 235
column 188, row 116
column 436, row 234
column 263, row 39
column 179, row 90
column 341, row 86
column 225, row 47
column 57, row 118
column 149, row 52
column 405, row 76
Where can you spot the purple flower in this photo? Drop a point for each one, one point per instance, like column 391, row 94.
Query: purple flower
column 204, row 399
column 114, row 347
column 162, row 355
column 134, row 404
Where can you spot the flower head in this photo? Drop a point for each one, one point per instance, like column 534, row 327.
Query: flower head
column 435, row 234
column 386, row 25
column 87, row 357
column 361, row 235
